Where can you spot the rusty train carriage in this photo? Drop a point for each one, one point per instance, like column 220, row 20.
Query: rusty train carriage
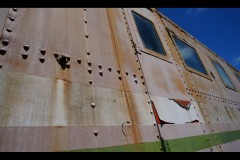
column 82, row 80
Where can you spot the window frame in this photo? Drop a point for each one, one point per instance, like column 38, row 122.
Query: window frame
column 192, row 70
column 140, row 46
column 227, row 86
column 238, row 76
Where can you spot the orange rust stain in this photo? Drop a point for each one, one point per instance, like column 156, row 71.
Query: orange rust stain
column 114, row 21
column 182, row 103
column 158, row 121
column 179, row 85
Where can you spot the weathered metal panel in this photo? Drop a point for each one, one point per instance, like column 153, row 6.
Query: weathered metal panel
column 3, row 18
column 59, row 138
column 55, row 29
column 170, row 111
column 231, row 146
column 139, row 109
column 110, row 81
column 174, row 131
column 130, row 69
column 162, row 78
column 48, row 102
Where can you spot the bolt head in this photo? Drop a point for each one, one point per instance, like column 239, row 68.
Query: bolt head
column 24, row 55
column 41, row 59
column 95, row 132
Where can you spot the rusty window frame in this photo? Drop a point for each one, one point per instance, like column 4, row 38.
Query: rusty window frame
column 192, row 70
column 140, row 46
column 226, row 85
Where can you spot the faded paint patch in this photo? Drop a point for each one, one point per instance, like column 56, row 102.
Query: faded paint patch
column 59, row 117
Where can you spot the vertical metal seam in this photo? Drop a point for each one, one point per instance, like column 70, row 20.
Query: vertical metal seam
column 162, row 141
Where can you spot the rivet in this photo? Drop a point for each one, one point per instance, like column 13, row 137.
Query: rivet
column 141, row 76
column 110, row 69
column 149, row 101
column 146, row 91
column 88, row 53
column 68, row 66
column 101, row 73
column 143, row 83
column 3, row 51
column 89, row 63
column 55, row 55
column 24, row 55
column 90, row 81
column 157, row 136
column 151, row 112
column 139, row 68
column 118, row 70
column 99, row 66
column 41, row 59
column 135, row 80
column 154, row 123
column 79, row 61
column 85, row 21
column 43, row 51
column 5, row 42
column 137, row 60
column 95, row 132
column 26, row 47
column 11, row 18
column 86, row 36
column 14, row 9
column 0, row 65
column 126, row 73
column 119, row 77
column 89, row 70
column 92, row 105
column 67, row 57
column 9, row 29
column 134, row 75
column 85, row 9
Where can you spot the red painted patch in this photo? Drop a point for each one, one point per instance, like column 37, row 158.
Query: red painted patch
column 158, row 121
column 182, row 103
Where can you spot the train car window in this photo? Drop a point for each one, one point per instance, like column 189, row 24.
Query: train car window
column 148, row 34
column 190, row 56
column 221, row 71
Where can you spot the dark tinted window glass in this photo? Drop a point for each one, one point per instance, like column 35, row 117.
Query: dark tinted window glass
column 190, row 56
column 226, row 80
column 148, row 34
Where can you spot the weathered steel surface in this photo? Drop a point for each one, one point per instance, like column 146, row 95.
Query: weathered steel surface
column 170, row 111
column 162, row 78
column 3, row 18
column 47, row 102
column 174, row 131
column 75, row 79
column 129, row 67
column 70, row 137
column 231, row 146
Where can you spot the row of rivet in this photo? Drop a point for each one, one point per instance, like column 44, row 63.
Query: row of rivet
column 5, row 42
column 194, row 107
column 200, row 94
column 137, row 60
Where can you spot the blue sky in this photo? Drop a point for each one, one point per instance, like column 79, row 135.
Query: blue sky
column 217, row 28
